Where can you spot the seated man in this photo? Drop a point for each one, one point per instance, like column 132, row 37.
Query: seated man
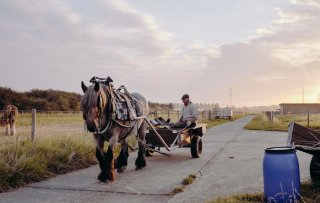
column 189, row 113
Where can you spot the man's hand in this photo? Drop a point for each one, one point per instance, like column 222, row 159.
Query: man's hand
column 189, row 123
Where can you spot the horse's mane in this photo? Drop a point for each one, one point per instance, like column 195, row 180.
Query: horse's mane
column 90, row 97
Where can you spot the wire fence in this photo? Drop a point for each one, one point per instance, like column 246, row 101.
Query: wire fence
column 174, row 115
column 46, row 124
column 38, row 125
column 306, row 119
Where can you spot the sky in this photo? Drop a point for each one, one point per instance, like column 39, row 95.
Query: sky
column 265, row 51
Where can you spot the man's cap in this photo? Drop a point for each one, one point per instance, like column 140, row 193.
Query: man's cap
column 184, row 96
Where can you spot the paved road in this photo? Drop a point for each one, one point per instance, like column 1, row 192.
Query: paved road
column 231, row 163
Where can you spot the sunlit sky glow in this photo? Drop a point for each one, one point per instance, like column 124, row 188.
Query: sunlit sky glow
column 266, row 51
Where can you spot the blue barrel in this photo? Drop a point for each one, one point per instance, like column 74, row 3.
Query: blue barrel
column 281, row 176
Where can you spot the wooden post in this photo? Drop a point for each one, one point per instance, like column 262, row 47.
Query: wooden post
column 308, row 119
column 210, row 115
column 168, row 114
column 33, row 127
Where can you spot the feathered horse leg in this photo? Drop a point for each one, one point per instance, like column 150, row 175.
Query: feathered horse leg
column 141, row 160
column 122, row 160
column 106, row 160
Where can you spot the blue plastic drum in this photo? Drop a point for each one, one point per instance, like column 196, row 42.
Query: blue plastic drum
column 281, row 175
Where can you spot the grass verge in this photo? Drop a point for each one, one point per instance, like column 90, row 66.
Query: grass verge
column 310, row 194
column 26, row 162
column 280, row 123
column 261, row 123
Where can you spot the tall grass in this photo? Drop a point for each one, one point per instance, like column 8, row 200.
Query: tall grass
column 310, row 194
column 27, row 162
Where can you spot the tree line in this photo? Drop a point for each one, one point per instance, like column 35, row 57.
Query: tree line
column 47, row 100
column 52, row 100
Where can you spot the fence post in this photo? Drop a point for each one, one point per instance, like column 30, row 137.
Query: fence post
column 33, row 127
column 308, row 119
column 168, row 114
column 210, row 115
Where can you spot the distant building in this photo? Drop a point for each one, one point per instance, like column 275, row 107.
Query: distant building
column 299, row 108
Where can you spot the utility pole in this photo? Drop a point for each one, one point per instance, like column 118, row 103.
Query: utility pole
column 230, row 97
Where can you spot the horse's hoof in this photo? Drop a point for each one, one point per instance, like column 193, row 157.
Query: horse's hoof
column 105, row 182
column 138, row 168
column 121, row 169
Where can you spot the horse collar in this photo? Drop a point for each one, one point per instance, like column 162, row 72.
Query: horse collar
column 111, row 107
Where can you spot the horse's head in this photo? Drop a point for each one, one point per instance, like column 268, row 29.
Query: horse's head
column 94, row 106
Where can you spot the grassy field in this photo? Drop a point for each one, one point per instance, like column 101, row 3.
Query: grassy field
column 280, row 123
column 310, row 194
column 51, row 118
column 53, row 124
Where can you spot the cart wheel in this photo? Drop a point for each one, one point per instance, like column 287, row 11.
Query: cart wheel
column 149, row 152
column 196, row 146
column 315, row 168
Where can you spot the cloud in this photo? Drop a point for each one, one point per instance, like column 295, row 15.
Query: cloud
column 276, row 62
column 50, row 37
column 55, row 44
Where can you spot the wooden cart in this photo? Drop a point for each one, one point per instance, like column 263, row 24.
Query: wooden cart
column 308, row 141
column 163, row 137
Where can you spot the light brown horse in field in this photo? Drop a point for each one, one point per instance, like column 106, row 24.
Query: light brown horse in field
column 9, row 119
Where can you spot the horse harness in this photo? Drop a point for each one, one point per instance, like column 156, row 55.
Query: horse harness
column 121, row 106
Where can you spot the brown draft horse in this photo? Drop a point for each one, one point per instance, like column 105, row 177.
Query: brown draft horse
column 9, row 119
column 97, row 106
